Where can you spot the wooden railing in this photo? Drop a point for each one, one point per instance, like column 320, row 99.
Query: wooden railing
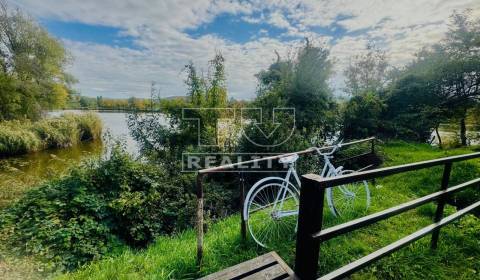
column 204, row 172
column 310, row 234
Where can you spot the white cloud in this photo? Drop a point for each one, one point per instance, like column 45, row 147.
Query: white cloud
column 277, row 19
column 401, row 27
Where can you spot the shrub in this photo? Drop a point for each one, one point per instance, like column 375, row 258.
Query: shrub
column 98, row 207
column 362, row 116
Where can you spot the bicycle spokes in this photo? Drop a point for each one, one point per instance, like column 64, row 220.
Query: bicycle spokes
column 272, row 214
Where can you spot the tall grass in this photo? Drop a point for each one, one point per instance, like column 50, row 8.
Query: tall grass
column 21, row 137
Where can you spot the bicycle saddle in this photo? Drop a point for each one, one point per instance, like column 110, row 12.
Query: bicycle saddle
column 290, row 159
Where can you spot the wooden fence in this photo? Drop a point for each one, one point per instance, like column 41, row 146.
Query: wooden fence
column 204, row 172
column 310, row 234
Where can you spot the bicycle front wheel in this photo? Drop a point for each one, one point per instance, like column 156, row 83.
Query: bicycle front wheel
column 349, row 199
column 272, row 213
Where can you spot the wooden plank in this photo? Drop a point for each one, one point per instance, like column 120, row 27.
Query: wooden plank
column 310, row 219
column 267, row 266
column 282, row 263
column 355, row 266
column 387, row 171
column 272, row 272
column 241, row 268
column 309, row 150
column 359, row 223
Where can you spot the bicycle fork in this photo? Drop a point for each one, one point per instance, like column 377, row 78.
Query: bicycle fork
column 277, row 209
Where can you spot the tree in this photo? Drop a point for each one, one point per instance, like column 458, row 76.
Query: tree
column 362, row 116
column 166, row 141
column 216, row 95
column 413, row 109
column 34, row 60
column 196, row 86
column 300, row 82
column 310, row 93
column 454, row 68
column 367, row 72
column 441, row 84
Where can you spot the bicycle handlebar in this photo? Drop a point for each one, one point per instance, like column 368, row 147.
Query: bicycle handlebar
column 334, row 149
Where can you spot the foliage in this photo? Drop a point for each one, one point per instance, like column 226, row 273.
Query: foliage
column 164, row 137
column 412, row 109
column 362, row 116
column 367, row 72
column 448, row 74
column 71, row 220
column 57, row 132
column 442, row 84
column 17, row 140
column 310, row 94
column 20, row 137
column 103, row 205
column 299, row 84
column 32, row 75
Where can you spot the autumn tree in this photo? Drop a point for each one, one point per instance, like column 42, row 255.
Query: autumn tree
column 33, row 63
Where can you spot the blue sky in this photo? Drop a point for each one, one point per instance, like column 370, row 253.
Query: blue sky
column 96, row 34
column 233, row 28
column 120, row 47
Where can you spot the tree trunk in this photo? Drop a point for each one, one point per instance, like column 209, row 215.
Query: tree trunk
column 463, row 132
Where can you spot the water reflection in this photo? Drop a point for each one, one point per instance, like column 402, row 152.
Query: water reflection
column 18, row 174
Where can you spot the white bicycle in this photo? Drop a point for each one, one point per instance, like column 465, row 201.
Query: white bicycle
column 271, row 205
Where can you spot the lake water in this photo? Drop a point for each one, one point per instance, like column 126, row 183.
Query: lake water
column 114, row 123
column 450, row 134
column 20, row 173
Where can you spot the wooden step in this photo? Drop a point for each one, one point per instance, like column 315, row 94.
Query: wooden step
column 266, row 267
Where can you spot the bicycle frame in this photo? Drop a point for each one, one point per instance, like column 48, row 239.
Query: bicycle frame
column 328, row 170
column 280, row 214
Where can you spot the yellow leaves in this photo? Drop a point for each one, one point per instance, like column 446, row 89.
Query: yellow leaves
column 60, row 95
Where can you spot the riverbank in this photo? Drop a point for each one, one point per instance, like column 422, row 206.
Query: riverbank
column 67, row 130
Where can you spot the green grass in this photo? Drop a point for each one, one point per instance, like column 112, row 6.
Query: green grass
column 457, row 255
column 22, row 137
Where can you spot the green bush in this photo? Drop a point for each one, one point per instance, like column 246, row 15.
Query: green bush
column 362, row 116
column 98, row 207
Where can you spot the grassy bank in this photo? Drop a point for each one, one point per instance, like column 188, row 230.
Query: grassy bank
column 21, row 137
column 459, row 247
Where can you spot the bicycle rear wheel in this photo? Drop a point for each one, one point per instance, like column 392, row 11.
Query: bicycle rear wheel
column 349, row 199
column 272, row 213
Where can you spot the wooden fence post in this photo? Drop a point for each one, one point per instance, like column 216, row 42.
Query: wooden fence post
column 309, row 221
column 374, row 181
column 199, row 219
column 243, row 225
column 441, row 203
